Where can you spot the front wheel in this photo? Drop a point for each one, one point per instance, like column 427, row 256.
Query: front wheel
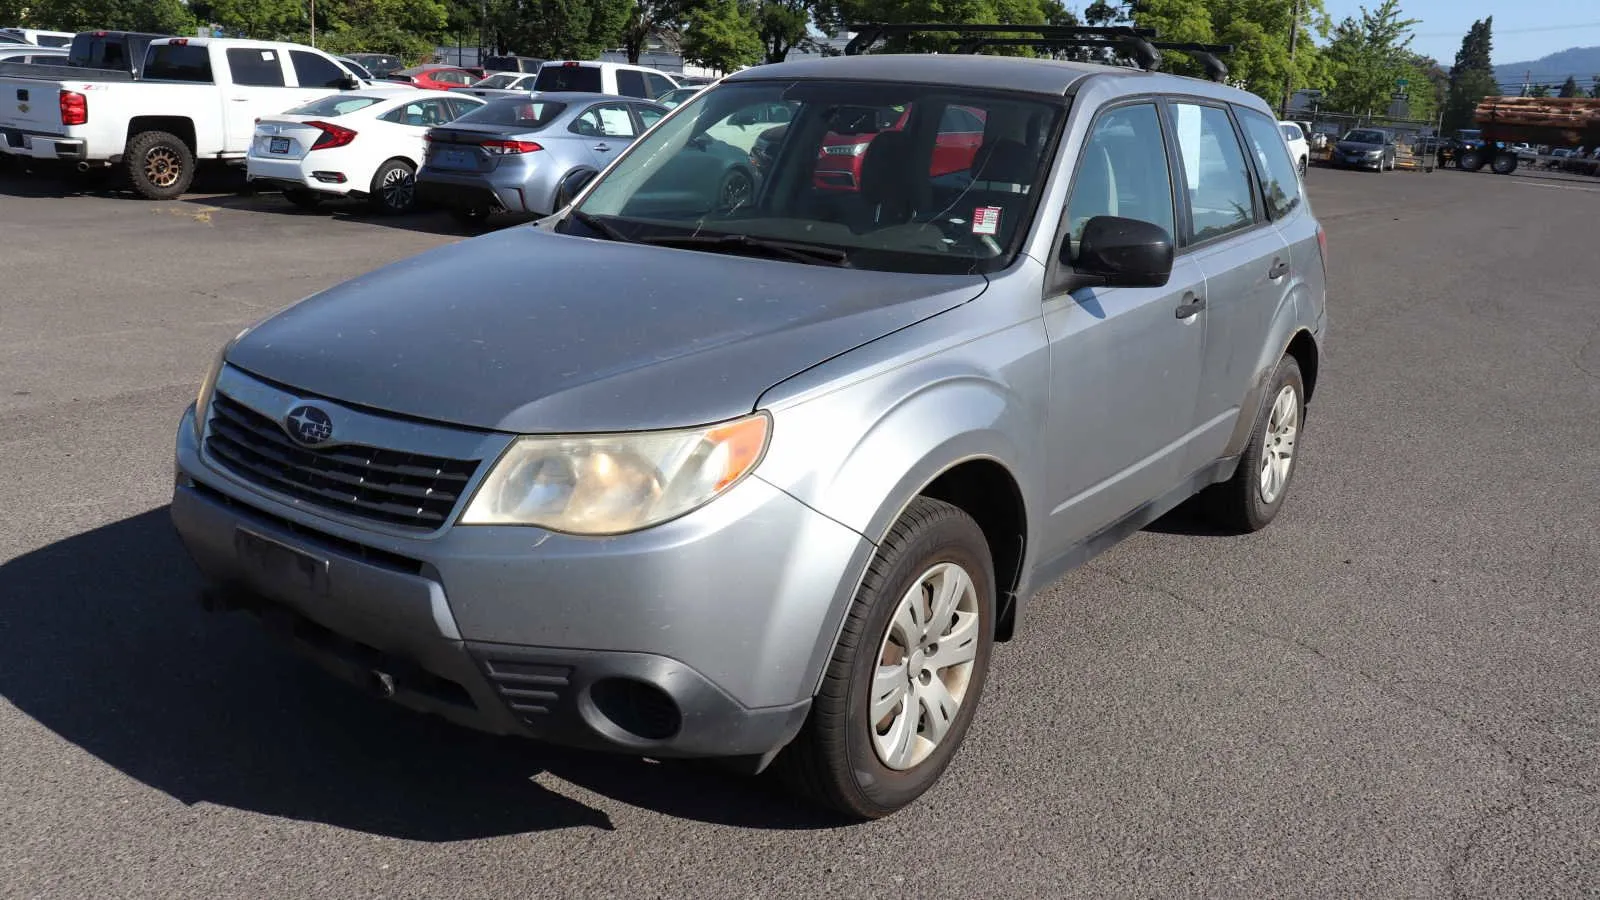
column 160, row 166
column 1253, row 496
column 1470, row 161
column 905, row 678
column 1504, row 164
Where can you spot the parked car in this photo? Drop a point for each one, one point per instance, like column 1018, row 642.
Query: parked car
column 1299, row 150
column 110, row 54
column 512, row 155
column 1365, row 148
column 197, row 101
column 767, row 483
column 7, row 37
column 501, row 84
column 619, row 79
column 27, row 54
column 839, row 167
column 678, row 95
column 357, row 69
column 432, row 77
column 364, row 144
column 524, row 64
column 381, row 65
column 40, row 37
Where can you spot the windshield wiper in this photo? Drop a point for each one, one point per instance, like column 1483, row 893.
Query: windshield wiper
column 797, row 252
column 605, row 228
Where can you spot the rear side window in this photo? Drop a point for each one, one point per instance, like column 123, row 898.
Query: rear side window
column 255, row 68
column 1280, row 178
column 631, row 83
column 658, row 84
column 177, row 62
column 1291, row 132
column 1123, row 172
column 569, row 78
column 1216, row 174
column 311, row 70
column 332, row 106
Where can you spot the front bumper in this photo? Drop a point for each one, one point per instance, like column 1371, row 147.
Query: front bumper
column 16, row 142
column 702, row 637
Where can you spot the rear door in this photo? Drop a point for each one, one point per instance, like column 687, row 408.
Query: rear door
column 258, row 85
column 608, row 128
column 1227, row 232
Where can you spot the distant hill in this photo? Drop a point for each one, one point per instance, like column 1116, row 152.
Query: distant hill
column 1580, row 62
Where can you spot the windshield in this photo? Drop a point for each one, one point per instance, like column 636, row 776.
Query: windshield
column 894, row 177
column 530, row 115
column 1365, row 137
column 500, row 81
column 332, row 106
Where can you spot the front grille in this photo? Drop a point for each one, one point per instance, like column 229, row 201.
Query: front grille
column 530, row 689
column 388, row 486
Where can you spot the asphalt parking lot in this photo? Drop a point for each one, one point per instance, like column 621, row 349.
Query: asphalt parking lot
column 1393, row 691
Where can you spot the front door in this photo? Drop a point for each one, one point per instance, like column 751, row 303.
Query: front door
column 1124, row 362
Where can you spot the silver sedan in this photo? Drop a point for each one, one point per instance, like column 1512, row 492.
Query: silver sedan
column 512, row 154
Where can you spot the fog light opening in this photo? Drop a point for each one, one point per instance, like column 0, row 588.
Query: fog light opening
column 638, row 709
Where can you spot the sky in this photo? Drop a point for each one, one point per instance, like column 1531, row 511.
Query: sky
column 1523, row 29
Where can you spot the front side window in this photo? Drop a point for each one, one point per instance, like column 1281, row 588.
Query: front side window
column 658, row 84
column 1123, row 172
column 255, row 68
column 610, row 120
column 1216, row 173
column 840, row 170
column 1279, row 176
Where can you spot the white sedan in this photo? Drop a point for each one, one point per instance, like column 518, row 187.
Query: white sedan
column 1299, row 149
column 364, row 144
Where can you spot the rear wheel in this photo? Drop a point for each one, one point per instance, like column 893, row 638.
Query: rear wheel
column 905, row 678
column 1252, row 497
column 1504, row 164
column 394, row 188
column 1470, row 161
column 160, row 166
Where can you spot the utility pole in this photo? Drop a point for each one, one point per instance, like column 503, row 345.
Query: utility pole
column 1294, row 36
column 313, row 23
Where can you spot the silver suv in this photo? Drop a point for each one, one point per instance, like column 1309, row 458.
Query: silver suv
column 763, row 475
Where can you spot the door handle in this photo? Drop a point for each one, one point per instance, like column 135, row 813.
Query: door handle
column 1191, row 306
column 240, row 99
column 1278, row 270
column 602, row 147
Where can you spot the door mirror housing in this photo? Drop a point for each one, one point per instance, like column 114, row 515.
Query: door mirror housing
column 1118, row 252
column 349, row 83
column 571, row 185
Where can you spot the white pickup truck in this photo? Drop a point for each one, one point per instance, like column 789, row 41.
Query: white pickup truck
column 197, row 100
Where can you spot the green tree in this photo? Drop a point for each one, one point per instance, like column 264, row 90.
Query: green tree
column 160, row 16
column 1472, row 77
column 831, row 14
column 1367, row 58
column 1539, row 91
column 782, row 27
column 1259, row 31
column 558, row 29
column 1569, row 88
column 260, row 19
column 722, row 35
column 649, row 19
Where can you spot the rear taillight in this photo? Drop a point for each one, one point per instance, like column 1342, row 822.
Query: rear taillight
column 509, row 148
column 332, row 136
column 74, row 108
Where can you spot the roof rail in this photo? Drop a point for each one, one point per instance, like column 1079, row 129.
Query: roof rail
column 1134, row 43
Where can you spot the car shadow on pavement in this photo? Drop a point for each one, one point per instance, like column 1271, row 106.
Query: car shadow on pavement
column 21, row 179
column 103, row 643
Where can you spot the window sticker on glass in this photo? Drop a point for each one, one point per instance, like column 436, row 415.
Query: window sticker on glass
column 266, row 54
column 986, row 220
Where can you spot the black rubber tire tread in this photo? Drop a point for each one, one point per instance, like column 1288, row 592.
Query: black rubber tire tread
column 816, row 764
column 375, row 189
column 1236, row 504
column 302, row 198
column 133, row 165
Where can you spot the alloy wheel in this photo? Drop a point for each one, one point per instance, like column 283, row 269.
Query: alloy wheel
column 1277, row 452
column 925, row 666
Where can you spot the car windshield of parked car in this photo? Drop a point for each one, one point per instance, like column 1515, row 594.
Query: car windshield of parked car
column 530, row 115
column 893, row 177
column 333, row 106
column 1365, row 137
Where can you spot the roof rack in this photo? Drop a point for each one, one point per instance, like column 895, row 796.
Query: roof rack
column 1134, row 43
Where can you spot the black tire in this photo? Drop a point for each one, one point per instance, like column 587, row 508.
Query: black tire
column 303, row 198
column 736, row 190
column 833, row 761
column 1470, row 161
column 1503, row 164
column 1237, row 503
column 394, row 188
column 159, row 165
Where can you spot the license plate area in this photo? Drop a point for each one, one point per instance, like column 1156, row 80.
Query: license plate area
column 274, row 564
column 278, row 145
column 456, row 158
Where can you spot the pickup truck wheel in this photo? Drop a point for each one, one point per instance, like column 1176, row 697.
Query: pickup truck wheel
column 1504, row 164
column 159, row 165
column 1252, row 497
column 1470, row 161
column 394, row 188
column 904, row 680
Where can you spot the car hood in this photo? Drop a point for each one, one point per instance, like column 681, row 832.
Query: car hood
column 1357, row 147
column 531, row 331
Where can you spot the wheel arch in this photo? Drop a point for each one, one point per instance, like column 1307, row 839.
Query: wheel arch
column 180, row 127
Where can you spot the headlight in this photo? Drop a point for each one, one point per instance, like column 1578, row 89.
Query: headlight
column 202, row 399
column 616, row 483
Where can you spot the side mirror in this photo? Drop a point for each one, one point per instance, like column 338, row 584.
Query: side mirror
column 349, row 83
column 571, row 185
column 1118, row 252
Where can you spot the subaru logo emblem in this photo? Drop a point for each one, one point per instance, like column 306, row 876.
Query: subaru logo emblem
column 308, row 425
